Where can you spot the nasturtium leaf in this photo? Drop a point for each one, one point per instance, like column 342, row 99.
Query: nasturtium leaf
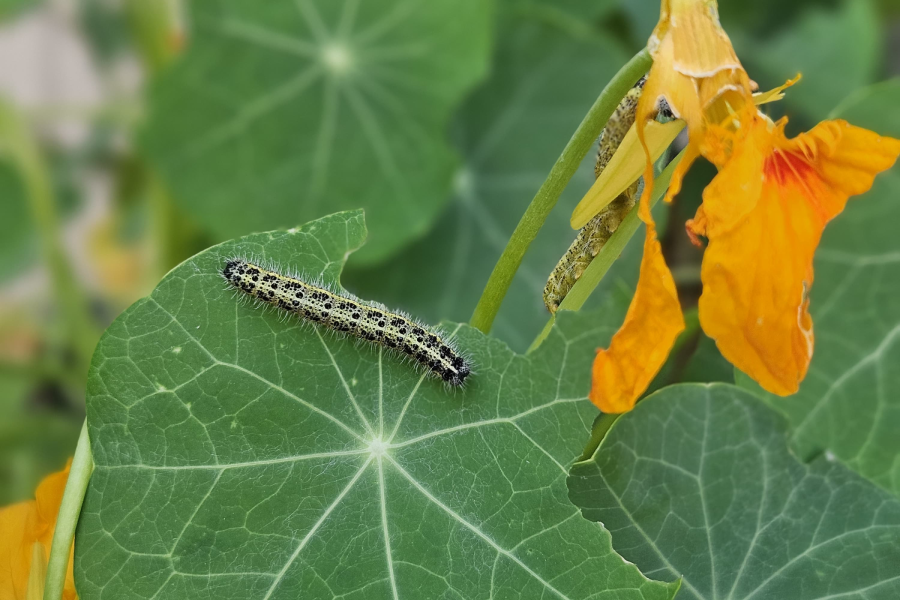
column 698, row 482
column 282, row 111
column 510, row 134
column 561, row 12
column 239, row 455
column 874, row 107
column 849, row 403
column 837, row 50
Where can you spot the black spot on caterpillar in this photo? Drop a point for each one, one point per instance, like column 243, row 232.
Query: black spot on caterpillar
column 596, row 233
column 349, row 315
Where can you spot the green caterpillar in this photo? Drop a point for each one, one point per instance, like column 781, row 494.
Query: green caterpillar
column 597, row 232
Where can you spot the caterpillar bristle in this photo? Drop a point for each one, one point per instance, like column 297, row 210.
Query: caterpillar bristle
column 344, row 314
column 596, row 233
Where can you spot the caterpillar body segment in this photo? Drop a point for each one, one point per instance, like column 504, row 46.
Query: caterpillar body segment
column 344, row 313
column 596, row 233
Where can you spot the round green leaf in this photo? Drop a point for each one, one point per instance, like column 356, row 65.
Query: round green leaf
column 242, row 456
column 837, row 51
column 562, row 11
column 510, row 133
column 282, row 111
column 874, row 107
column 698, row 482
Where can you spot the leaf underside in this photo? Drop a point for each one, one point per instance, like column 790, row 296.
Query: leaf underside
column 510, row 133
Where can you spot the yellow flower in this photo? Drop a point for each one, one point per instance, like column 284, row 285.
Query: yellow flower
column 26, row 531
column 763, row 215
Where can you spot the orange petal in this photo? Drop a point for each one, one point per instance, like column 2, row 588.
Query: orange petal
column 691, row 154
column 846, row 158
column 640, row 348
column 764, row 214
column 18, row 524
column 25, row 524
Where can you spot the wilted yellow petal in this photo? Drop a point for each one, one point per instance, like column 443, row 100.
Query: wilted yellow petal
column 625, row 167
column 35, row 589
column 702, row 47
column 640, row 348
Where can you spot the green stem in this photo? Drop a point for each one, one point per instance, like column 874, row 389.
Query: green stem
column 560, row 175
column 82, row 333
column 69, row 510
column 598, row 268
column 154, row 25
column 601, row 427
column 162, row 224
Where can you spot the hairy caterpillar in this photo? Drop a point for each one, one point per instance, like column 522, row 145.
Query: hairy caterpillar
column 344, row 313
column 596, row 233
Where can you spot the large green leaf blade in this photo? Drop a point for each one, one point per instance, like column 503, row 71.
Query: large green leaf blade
column 698, row 482
column 510, row 133
column 241, row 456
column 284, row 111
column 837, row 51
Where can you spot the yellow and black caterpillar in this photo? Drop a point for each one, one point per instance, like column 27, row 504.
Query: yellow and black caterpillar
column 347, row 314
column 597, row 232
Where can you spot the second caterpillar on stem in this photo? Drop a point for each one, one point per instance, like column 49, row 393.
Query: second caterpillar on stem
column 596, row 233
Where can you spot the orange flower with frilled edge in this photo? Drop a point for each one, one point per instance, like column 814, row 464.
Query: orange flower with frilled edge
column 26, row 531
column 763, row 215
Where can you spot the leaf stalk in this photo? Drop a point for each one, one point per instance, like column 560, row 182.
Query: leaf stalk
column 547, row 196
column 67, row 520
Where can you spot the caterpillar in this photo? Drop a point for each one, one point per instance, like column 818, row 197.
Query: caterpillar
column 596, row 233
column 344, row 313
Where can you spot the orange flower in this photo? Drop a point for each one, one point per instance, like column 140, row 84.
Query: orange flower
column 763, row 214
column 26, row 530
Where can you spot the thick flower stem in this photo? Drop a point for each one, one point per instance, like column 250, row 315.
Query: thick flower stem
column 560, row 175
column 601, row 427
column 69, row 510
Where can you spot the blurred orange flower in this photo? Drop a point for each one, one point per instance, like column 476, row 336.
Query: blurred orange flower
column 26, row 530
column 763, row 214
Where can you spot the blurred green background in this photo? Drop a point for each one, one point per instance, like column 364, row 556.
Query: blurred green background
column 134, row 133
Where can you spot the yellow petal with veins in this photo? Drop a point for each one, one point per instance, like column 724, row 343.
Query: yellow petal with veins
column 626, row 166
column 35, row 589
column 702, row 47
